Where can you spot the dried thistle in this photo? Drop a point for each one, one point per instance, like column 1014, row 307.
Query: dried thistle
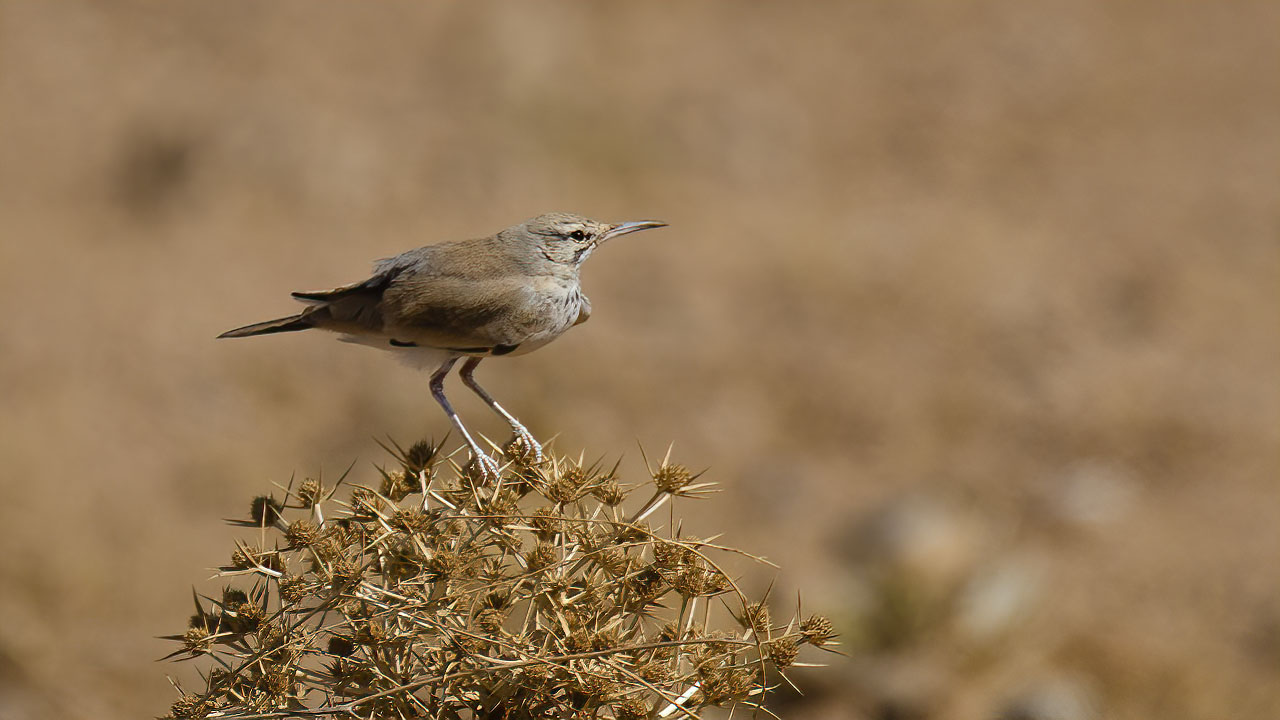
column 309, row 492
column 817, row 630
column 672, row 478
column 413, row 605
column 301, row 533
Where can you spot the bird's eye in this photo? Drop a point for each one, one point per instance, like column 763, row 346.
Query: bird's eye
column 578, row 235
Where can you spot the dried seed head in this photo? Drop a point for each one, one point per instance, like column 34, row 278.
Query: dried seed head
column 632, row 708
column 756, row 618
column 728, row 685
column 364, row 503
column 398, row 485
column 264, row 510
column 345, row 572
column 563, row 489
column 490, row 620
column 646, row 586
column 520, row 452
column 242, row 559
column 717, row 582
column 301, row 533
column 293, row 588
column 250, row 559
column 501, row 510
column 402, row 561
column 189, row 706
column 670, row 555
column 233, row 596
column 589, row 541
column 597, row 683
column 605, row 640
column 817, row 630
column 355, row 609
column 672, row 478
column 271, row 637
column 246, row 617
column 444, row 563
column 612, row 559
column 656, row 671
column 719, row 649
column 630, row 533
column 309, row 492
column 575, row 475
column 276, row 683
column 349, row 674
column 371, row 634
column 783, row 651
column 693, row 580
column 411, row 520
column 608, row 491
column 578, row 641
column 546, row 522
column 420, row 457
column 197, row 639
column 333, row 542
column 536, row 677
column 540, row 557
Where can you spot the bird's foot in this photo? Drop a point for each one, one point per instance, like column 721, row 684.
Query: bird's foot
column 484, row 466
column 523, row 448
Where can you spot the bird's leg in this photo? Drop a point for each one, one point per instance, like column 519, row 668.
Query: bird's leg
column 520, row 430
column 487, row 464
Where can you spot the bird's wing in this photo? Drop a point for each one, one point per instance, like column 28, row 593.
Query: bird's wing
column 458, row 312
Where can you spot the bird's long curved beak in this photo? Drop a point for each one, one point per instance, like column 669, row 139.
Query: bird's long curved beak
column 630, row 227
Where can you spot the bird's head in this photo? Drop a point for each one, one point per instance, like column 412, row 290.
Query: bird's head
column 567, row 239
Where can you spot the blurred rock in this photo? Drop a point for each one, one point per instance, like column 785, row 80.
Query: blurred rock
column 905, row 688
column 999, row 596
column 1091, row 494
column 1057, row 698
column 910, row 556
column 922, row 538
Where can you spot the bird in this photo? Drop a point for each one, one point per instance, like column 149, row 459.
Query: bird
column 506, row 294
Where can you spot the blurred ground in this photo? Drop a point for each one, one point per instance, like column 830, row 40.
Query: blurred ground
column 973, row 308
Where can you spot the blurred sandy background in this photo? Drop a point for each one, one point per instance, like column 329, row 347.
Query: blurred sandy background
column 973, row 308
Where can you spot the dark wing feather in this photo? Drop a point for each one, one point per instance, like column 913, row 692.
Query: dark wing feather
column 322, row 295
column 377, row 283
column 384, row 271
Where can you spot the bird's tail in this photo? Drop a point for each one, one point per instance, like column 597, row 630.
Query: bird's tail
column 292, row 323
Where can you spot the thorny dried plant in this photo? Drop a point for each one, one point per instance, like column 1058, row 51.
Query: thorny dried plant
column 440, row 593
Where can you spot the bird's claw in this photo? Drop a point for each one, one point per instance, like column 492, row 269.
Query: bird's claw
column 486, row 466
column 524, row 448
